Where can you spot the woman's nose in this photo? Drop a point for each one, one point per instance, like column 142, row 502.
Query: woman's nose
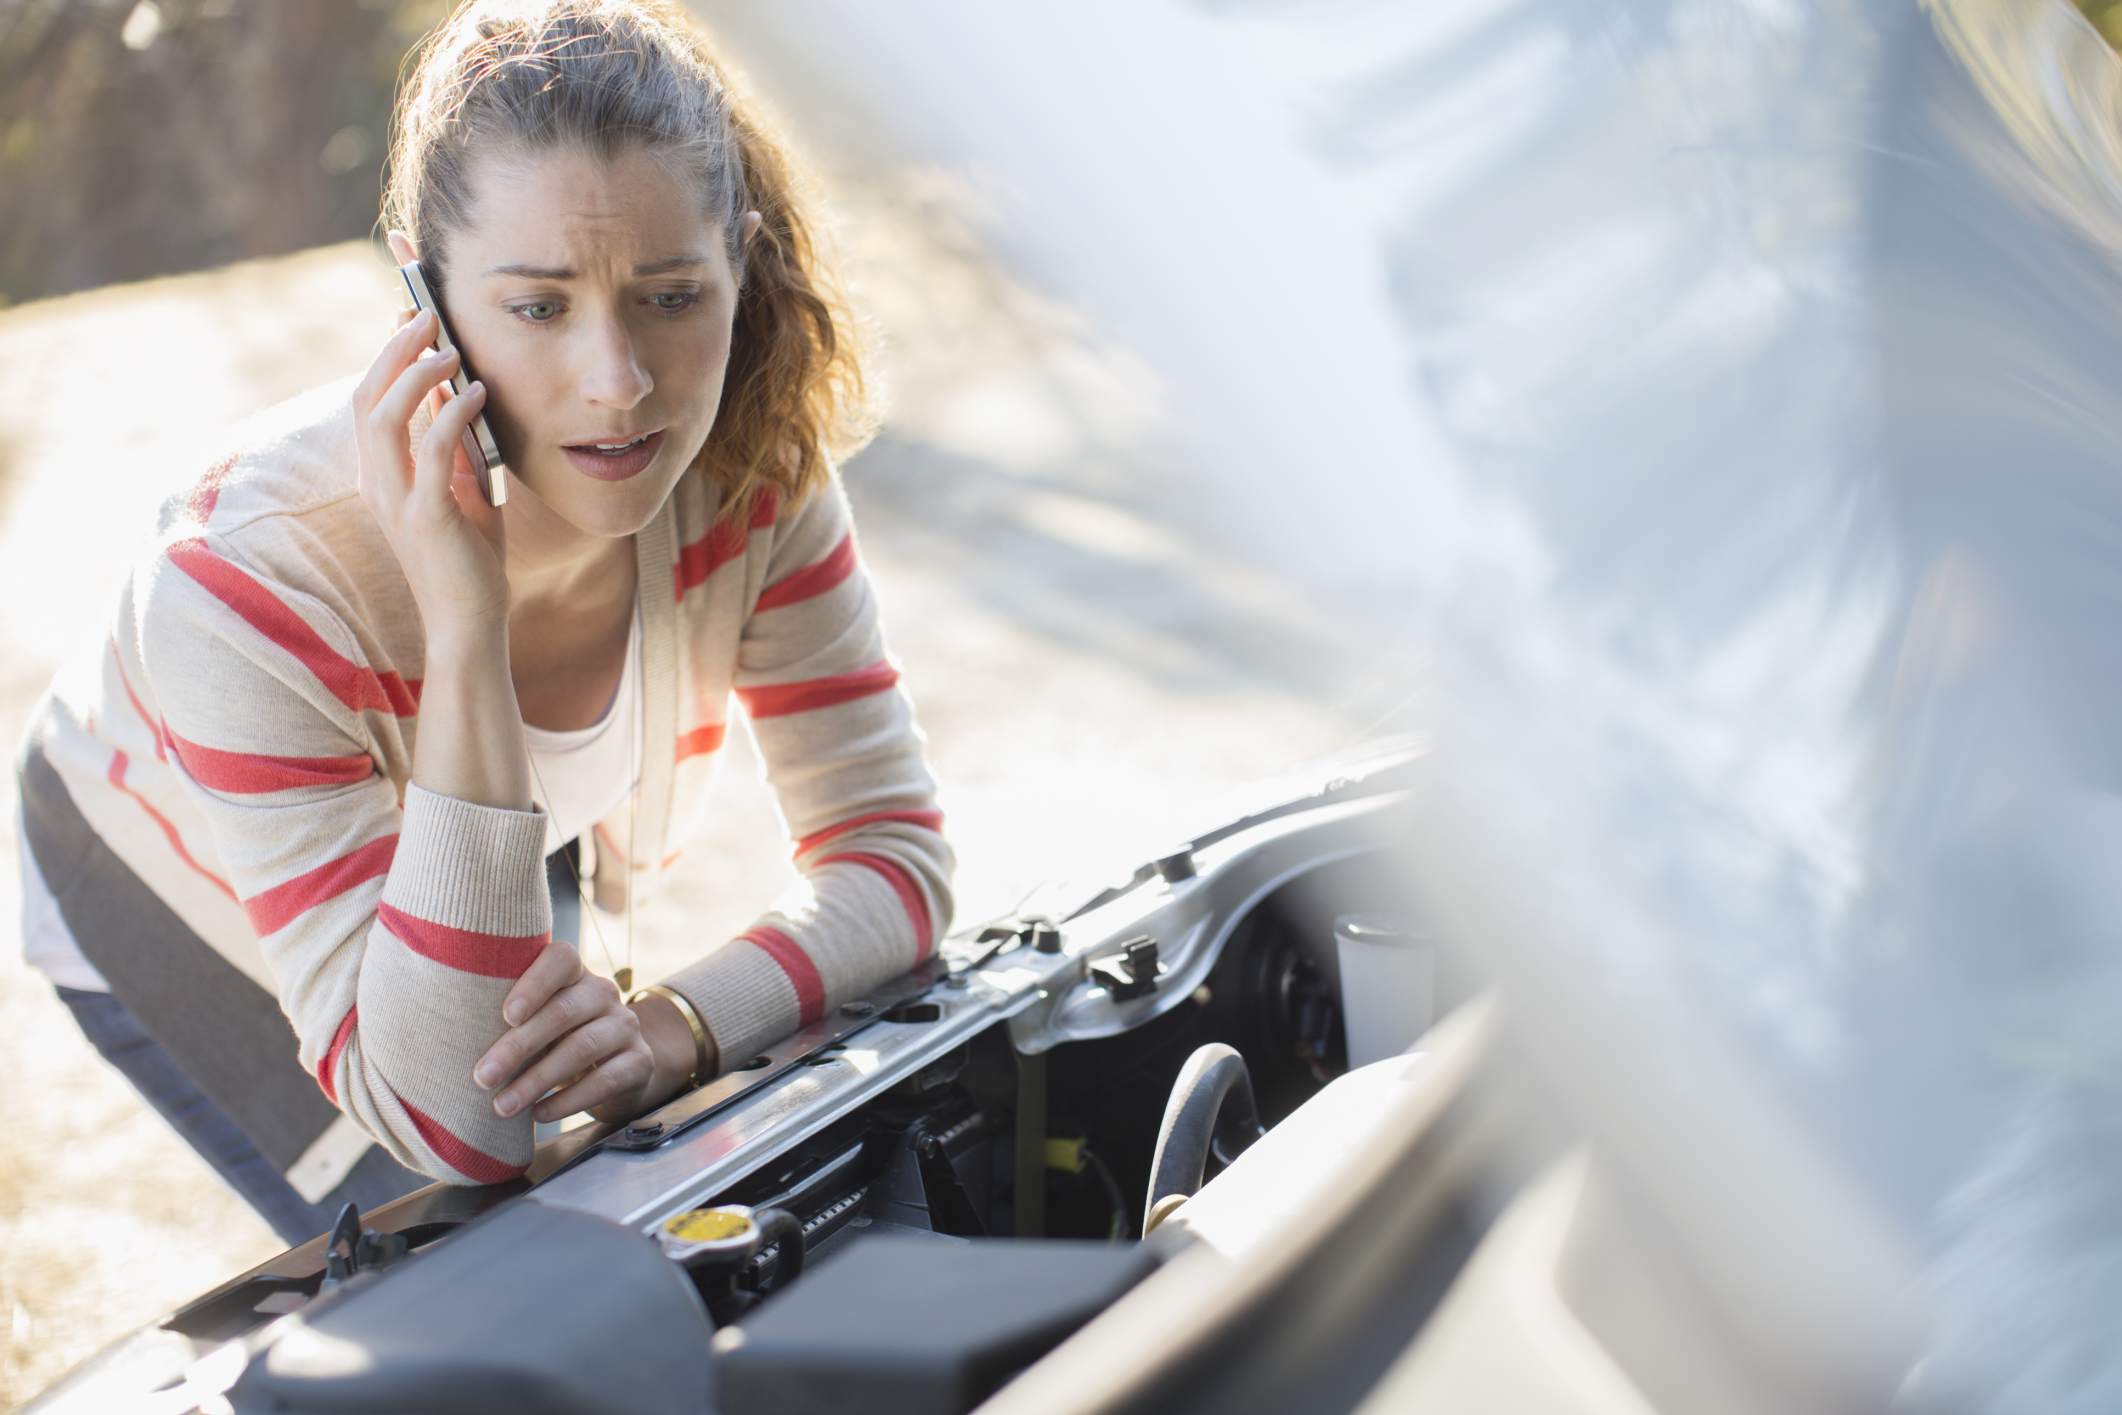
column 615, row 377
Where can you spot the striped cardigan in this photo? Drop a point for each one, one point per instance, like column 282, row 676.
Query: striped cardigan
column 244, row 742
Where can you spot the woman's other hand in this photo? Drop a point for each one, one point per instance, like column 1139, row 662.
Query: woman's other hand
column 567, row 1028
column 449, row 542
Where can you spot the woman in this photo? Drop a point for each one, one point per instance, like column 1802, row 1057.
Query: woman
column 351, row 717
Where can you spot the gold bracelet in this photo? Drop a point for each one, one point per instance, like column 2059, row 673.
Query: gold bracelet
column 692, row 1020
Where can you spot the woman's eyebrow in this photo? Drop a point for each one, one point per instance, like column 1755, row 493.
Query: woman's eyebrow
column 563, row 272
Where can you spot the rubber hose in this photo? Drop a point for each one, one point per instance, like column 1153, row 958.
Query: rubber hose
column 780, row 1227
column 1211, row 1102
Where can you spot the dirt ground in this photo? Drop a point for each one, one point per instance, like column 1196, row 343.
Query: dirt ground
column 1092, row 679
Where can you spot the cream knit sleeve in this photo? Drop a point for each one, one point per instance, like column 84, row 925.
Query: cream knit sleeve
column 836, row 731
column 393, row 932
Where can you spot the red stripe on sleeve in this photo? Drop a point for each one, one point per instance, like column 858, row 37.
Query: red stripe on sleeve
column 159, row 733
column 927, row 820
column 782, row 699
column 489, row 955
column 725, row 541
column 360, row 688
column 910, row 896
column 403, row 694
column 250, row 774
column 812, row 580
column 274, row 909
column 206, row 492
column 702, row 740
column 802, row 973
column 473, row 1163
column 329, row 1065
column 116, row 777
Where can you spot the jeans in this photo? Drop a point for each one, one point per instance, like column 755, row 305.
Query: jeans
column 375, row 1180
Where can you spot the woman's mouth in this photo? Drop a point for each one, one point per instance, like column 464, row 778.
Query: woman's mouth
column 617, row 459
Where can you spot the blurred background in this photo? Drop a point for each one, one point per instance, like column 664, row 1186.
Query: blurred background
column 1696, row 418
column 150, row 139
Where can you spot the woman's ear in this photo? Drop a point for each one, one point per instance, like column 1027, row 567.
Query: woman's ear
column 746, row 225
column 401, row 247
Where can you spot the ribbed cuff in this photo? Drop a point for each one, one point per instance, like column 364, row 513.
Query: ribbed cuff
column 743, row 998
column 471, row 867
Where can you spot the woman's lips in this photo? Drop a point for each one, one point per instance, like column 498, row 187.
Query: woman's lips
column 606, row 466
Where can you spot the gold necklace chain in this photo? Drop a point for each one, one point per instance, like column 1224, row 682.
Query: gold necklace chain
column 621, row 973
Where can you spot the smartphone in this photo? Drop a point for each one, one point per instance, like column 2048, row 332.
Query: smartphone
column 480, row 449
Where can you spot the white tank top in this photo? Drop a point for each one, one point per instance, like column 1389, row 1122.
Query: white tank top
column 587, row 771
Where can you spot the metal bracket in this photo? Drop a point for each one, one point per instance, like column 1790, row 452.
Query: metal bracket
column 1008, row 935
column 1132, row 972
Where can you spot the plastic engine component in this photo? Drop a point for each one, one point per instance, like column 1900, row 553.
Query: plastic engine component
column 901, row 1326
column 531, row 1309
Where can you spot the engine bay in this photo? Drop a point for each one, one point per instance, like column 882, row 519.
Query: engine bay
column 911, row 1201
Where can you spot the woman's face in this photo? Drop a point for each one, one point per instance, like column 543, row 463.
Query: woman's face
column 594, row 298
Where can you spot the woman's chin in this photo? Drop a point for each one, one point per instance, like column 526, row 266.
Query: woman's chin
column 604, row 509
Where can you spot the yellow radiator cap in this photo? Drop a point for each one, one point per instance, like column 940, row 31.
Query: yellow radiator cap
column 708, row 1225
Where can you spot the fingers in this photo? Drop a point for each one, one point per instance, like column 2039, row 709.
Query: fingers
column 443, row 446
column 541, row 1008
column 449, row 542
column 416, row 330
column 389, row 468
column 581, row 1050
column 395, row 408
column 558, row 965
column 556, row 1015
column 624, row 1074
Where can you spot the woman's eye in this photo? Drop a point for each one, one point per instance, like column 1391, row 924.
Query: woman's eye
column 541, row 312
column 672, row 301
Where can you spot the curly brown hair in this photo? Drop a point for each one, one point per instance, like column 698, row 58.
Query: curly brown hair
column 517, row 75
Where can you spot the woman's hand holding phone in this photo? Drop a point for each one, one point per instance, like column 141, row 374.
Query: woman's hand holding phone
column 450, row 544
